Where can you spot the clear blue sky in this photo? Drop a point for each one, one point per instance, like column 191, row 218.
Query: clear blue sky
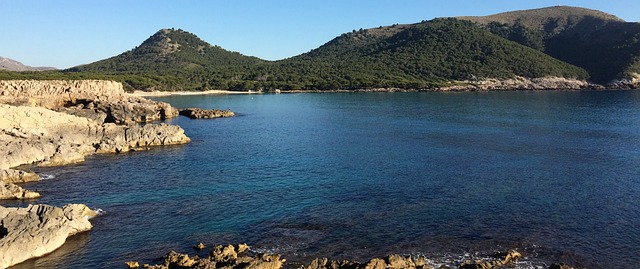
column 67, row 33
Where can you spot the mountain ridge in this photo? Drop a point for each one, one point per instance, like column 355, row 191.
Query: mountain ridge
column 603, row 44
column 546, row 42
column 13, row 65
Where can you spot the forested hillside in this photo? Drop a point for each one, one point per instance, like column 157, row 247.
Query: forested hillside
column 604, row 45
column 558, row 41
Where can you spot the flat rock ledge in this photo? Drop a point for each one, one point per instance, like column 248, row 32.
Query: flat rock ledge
column 37, row 230
column 240, row 257
column 198, row 113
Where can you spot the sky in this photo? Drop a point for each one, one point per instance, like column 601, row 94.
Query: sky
column 68, row 33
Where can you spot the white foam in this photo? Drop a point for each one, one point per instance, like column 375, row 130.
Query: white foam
column 47, row 176
column 99, row 211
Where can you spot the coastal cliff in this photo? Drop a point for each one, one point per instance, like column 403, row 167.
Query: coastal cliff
column 104, row 101
column 52, row 123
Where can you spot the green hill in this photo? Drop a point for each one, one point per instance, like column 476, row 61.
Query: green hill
column 413, row 56
column 418, row 56
column 604, row 45
column 557, row 41
column 172, row 60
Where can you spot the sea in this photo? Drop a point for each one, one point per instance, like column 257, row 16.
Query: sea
column 450, row 176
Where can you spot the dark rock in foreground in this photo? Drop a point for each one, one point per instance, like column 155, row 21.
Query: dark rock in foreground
column 230, row 257
column 220, row 257
column 198, row 113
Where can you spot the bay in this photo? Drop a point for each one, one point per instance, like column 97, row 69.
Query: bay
column 555, row 174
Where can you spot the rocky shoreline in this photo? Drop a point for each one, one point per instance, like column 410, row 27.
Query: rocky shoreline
column 242, row 257
column 52, row 123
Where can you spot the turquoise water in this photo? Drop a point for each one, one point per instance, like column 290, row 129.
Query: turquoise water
column 355, row 175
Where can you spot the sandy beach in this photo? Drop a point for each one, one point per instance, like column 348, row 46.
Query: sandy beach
column 162, row 93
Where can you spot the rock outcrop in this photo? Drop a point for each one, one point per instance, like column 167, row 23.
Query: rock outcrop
column 17, row 176
column 520, row 83
column 13, row 191
column 36, row 230
column 198, row 113
column 498, row 260
column 221, row 257
column 228, row 257
column 97, row 98
column 9, row 190
column 60, row 122
column 393, row 261
column 37, row 135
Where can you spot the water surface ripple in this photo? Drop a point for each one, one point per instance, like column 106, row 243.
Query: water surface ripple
column 554, row 174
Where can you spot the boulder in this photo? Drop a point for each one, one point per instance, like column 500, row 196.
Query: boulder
column 198, row 113
column 199, row 246
column 37, row 230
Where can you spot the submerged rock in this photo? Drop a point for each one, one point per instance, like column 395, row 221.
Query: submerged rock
column 198, row 113
column 36, row 230
column 560, row 266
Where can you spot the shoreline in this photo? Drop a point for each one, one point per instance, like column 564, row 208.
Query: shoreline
column 139, row 93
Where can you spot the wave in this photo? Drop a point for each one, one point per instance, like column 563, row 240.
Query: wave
column 99, row 211
column 46, row 176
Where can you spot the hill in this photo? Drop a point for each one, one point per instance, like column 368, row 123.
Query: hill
column 421, row 55
column 558, row 41
column 173, row 59
column 402, row 56
column 13, row 65
column 603, row 44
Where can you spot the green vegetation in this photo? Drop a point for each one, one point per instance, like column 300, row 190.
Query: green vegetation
column 604, row 45
column 423, row 55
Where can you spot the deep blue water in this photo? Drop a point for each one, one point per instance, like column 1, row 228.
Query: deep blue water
column 354, row 175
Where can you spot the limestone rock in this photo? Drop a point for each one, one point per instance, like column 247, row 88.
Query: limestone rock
column 103, row 101
column 198, row 113
column 221, row 257
column 520, row 83
column 13, row 191
column 376, row 264
column 36, row 230
column 17, row 176
column 32, row 134
column 395, row 261
column 243, row 248
column 132, row 264
column 199, row 246
column 500, row 259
